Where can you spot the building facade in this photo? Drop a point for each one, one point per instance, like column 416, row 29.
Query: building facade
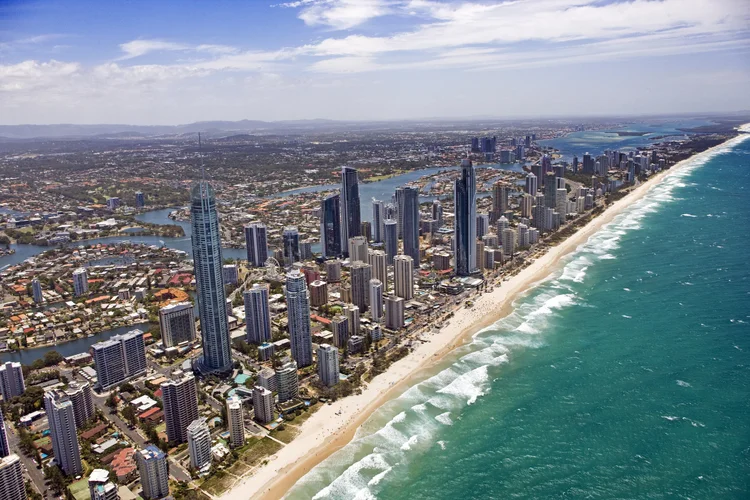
column 256, row 243
column 180, row 399
column 298, row 309
column 465, row 231
column 257, row 314
column 177, row 324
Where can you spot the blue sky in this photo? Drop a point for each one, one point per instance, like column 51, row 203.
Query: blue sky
column 166, row 62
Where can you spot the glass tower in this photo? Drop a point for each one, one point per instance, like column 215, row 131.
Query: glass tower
column 465, row 230
column 330, row 226
column 351, row 220
column 212, row 301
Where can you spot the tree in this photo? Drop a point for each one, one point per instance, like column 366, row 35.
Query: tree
column 129, row 413
column 56, row 479
column 112, row 401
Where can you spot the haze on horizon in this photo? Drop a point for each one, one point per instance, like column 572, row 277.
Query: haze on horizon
column 169, row 62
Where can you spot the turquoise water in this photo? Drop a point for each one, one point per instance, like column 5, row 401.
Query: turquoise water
column 624, row 375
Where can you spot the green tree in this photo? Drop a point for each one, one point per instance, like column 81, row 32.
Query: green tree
column 129, row 414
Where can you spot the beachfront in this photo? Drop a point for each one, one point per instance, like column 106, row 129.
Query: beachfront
column 333, row 426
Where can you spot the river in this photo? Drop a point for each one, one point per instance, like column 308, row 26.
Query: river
column 79, row 345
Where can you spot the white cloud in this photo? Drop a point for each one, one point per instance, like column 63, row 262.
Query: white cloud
column 137, row 48
column 341, row 14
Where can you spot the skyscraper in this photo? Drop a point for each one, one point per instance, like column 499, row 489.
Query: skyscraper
column 212, row 300
column 437, row 212
column 298, row 309
column 328, row 365
column 80, row 282
column 376, row 300
column 235, row 421
column 11, row 380
column 340, row 327
column 290, row 238
column 408, row 216
column 500, row 194
column 361, row 274
column 257, row 314
column 180, row 398
column 465, row 231
column 358, row 249
column 403, row 272
column 256, row 244
column 62, row 426
column 509, row 241
column 199, row 443
column 154, row 471
column 177, row 324
column 140, row 200
column 483, row 225
column 83, row 404
column 4, row 445
column 36, row 291
column 394, row 312
column 12, row 486
column 288, row 381
column 378, row 218
column 390, row 238
column 352, row 318
column 120, row 358
column 330, row 226
column 378, row 262
column 550, row 191
column 262, row 404
column 351, row 221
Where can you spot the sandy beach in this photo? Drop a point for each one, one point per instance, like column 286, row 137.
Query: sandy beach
column 326, row 431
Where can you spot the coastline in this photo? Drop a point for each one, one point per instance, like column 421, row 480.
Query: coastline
column 326, row 432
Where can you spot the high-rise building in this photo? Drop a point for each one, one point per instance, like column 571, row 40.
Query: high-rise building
column 378, row 218
column 465, row 231
column 4, row 445
column 340, row 327
column 330, row 226
column 333, row 271
column 588, row 166
column 80, row 282
column 550, row 191
column 83, row 404
column 352, row 317
column 230, row 274
column 407, row 199
column 62, row 426
column 262, row 404
column 257, row 314
column 561, row 202
column 288, row 381
column 500, row 194
column 527, row 204
column 509, row 241
column 390, row 240
column 394, row 312
column 212, row 300
column 177, row 324
column 290, row 238
column 328, row 365
column 235, row 421
column 199, row 443
column 376, row 300
column 12, row 486
column 358, row 249
column 36, row 291
column 361, row 274
column 378, row 262
column 100, row 487
column 437, row 212
column 298, row 311
column 318, row 293
column 140, row 199
column 120, row 358
column 351, row 221
column 403, row 276
column 154, row 471
column 256, row 243
column 180, row 398
column 523, row 236
column 113, row 203
column 483, row 225
column 11, row 380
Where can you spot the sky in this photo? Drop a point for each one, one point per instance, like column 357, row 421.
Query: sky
column 172, row 62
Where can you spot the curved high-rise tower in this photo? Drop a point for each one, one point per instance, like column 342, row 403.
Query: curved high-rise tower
column 212, row 303
column 465, row 225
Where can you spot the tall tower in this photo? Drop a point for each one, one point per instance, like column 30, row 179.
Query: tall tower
column 154, row 472
column 465, row 229
column 390, row 237
column 199, row 443
column 80, row 282
column 351, row 221
column 12, row 485
column 408, row 216
column 328, row 365
column 377, row 260
column 361, row 275
column 500, row 194
column 4, row 446
column 235, row 421
column 330, row 226
column 378, row 218
column 36, row 291
column 298, row 309
column 180, row 398
column 11, row 380
column 256, row 243
column 376, row 300
column 257, row 314
column 62, row 426
column 212, row 300
column 403, row 276
column 290, row 238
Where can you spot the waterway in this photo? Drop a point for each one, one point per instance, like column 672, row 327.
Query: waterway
column 79, row 345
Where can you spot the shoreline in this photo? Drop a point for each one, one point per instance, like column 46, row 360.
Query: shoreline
column 324, row 433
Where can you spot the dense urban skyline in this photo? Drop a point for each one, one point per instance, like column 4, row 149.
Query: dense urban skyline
column 166, row 63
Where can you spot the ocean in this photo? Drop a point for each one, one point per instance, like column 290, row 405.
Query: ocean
column 626, row 374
